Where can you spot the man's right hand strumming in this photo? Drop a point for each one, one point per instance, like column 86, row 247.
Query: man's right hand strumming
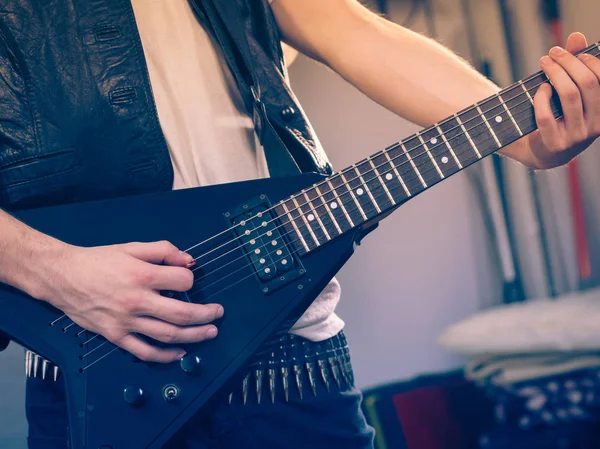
column 111, row 290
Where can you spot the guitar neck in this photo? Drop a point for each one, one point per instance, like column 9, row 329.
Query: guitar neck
column 368, row 190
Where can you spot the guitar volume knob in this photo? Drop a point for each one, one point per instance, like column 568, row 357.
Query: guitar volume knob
column 190, row 363
column 134, row 395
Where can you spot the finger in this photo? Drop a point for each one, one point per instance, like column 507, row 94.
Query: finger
column 147, row 352
column 179, row 312
column 547, row 124
column 162, row 252
column 570, row 98
column 162, row 277
column 584, row 78
column 170, row 333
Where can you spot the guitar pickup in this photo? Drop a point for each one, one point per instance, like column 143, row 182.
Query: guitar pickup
column 263, row 239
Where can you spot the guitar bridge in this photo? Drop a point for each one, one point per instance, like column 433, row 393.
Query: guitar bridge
column 263, row 239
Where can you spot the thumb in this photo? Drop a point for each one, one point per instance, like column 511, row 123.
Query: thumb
column 162, row 252
column 576, row 42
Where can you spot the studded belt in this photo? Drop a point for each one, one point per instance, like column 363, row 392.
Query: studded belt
column 293, row 364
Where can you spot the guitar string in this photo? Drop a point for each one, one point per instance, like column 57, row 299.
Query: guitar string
column 308, row 203
column 346, row 184
column 523, row 91
column 274, row 250
column 379, row 196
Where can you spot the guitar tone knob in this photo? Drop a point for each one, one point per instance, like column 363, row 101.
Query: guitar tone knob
column 134, row 395
column 190, row 363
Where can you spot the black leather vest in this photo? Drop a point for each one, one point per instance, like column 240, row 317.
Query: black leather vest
column 77, row 117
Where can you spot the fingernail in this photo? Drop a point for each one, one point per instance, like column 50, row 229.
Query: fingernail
column 212, row 332
column 191, row 264
column 220, row 312
column 545, row 60
column 187, row 256
column 180, row 355
column 556, row 51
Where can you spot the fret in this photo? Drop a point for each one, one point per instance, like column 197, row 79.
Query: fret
column 335, row 206
column 347, row 201
column 457, row 133
column 522, row 109
column 390, row 177
column 365, row 185
column 450, row 149
column 430, row 156
column 327, row 218
column 440, row 150
column 289, row 230
column 510, row 115
column 317, row 215
column 382, row 182
column 479, row 131
column 358, row 193
column 416, row 159
column 308, row 220
column 300, row 235
column 373, row 181
column 387, row 156
column 526, row 92
column 488, row 126
column 499, row 121
column 405, row 167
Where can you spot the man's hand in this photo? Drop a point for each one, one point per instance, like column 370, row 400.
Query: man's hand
column 577, row 81
column 113, row 290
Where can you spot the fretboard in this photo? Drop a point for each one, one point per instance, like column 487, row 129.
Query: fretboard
column 367, row 190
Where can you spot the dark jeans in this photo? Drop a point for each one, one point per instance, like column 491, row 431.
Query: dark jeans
column 328, row 419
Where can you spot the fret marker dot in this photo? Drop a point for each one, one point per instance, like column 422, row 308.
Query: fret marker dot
column 434, row 141
column 311, row 217
column 499, row 119
column 389, row 176
column 333, row 205
column 360, row 191
column 444, row 160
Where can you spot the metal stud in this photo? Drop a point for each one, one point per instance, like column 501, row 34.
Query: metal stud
column 324, row 373
column 245, row 388
column 44, row 368
column 259, row 381
column 55, row 373
column 272, row 384
column 36, row 363
column 284, row 379
column 310, row 367
column 298, row 373
column 28, row 355
column 335, row 371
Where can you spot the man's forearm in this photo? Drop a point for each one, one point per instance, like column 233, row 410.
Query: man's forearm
column 23, row 253
column 407, row 73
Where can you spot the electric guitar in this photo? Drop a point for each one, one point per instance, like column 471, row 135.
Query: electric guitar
column 264, row 249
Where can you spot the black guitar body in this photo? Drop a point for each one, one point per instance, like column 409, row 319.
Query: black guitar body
column 97, row 374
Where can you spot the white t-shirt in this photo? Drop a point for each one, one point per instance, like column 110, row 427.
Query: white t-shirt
column 209, row 133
